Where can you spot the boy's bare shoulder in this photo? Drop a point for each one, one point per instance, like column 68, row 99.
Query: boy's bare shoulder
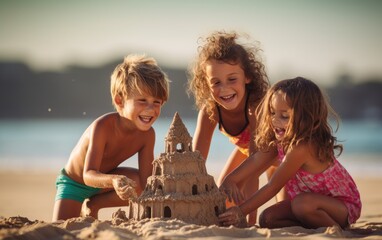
column 104, row 122
column 107, row 118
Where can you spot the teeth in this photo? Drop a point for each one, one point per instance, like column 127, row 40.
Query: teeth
column 145, row 119
column 227, row 97
column 279, row 130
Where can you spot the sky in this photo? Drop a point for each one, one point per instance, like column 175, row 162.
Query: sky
column 316, row 39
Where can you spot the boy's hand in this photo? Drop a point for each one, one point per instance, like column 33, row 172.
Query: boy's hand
column 231, row 190
column 233, row 216
column 124, row 187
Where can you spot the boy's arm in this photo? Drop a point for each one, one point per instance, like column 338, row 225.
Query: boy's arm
column 203, row 133
column 94, row 155
column 145, row 159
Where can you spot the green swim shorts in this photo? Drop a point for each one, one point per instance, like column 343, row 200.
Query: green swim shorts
column 70, row 189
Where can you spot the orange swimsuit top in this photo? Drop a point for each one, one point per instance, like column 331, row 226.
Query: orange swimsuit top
column 241, row 139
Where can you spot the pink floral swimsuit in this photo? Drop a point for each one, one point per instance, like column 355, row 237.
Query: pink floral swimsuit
column 335, row 181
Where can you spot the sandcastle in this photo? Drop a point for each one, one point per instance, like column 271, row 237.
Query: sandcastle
column 179, row 186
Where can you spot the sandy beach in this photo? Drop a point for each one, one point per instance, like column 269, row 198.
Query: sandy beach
column 27, row 199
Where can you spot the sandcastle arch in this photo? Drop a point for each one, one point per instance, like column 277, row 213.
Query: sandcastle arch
column 167, row 212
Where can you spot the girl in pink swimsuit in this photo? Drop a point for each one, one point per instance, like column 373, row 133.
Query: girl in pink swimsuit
column 294, row 127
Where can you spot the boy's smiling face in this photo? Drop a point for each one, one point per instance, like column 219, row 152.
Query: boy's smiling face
column 280, row 114
column 142, row 109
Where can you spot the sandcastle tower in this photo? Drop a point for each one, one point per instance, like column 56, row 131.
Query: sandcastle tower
column 179, row 186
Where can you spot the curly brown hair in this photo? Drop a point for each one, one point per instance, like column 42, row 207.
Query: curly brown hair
column 223, row 46
column 308, row 122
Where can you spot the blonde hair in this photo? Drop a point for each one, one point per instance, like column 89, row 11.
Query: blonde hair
column 308, row 121
column 224, row 47
column 139, row 73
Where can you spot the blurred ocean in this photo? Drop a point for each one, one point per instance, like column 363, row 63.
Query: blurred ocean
column 44, row 145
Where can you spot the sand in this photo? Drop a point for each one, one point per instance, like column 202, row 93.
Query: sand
column 27, row 198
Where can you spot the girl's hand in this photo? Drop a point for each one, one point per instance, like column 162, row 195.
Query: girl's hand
column 233, row 216
column 230, row 189
column 124, row 187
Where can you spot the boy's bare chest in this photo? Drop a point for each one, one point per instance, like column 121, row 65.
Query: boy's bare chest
column 119, row 149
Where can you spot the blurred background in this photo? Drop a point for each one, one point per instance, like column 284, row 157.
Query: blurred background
column 56, row 58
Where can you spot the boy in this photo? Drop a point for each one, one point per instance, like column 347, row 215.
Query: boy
column 139, row 88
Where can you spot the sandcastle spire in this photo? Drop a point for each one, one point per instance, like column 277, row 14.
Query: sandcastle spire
column 178, row 138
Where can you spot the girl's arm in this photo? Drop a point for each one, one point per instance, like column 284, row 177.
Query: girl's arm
column 203, row 133
column 294, row 160
column 252, row 128
column 292, row 163
column 254, row 165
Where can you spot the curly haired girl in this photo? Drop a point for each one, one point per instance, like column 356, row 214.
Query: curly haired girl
column 228, row 81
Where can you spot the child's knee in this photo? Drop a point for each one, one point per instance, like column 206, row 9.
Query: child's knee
column 265, row 219
column 89, row 208
column 302, row 204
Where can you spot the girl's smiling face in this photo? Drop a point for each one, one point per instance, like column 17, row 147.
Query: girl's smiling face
column 227, row 83
column 280, row 114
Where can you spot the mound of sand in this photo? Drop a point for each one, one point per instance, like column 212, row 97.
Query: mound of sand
column 119, row 227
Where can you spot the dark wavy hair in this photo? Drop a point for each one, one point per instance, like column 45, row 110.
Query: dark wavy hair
column 309, row 121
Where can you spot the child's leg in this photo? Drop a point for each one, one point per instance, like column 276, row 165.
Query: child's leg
column 249, row 187
column 316, row 210
column 278, row 215
column 108, row 197
column 69, row 197
column 281, row 195
column 65, row 209
column 102, row 200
